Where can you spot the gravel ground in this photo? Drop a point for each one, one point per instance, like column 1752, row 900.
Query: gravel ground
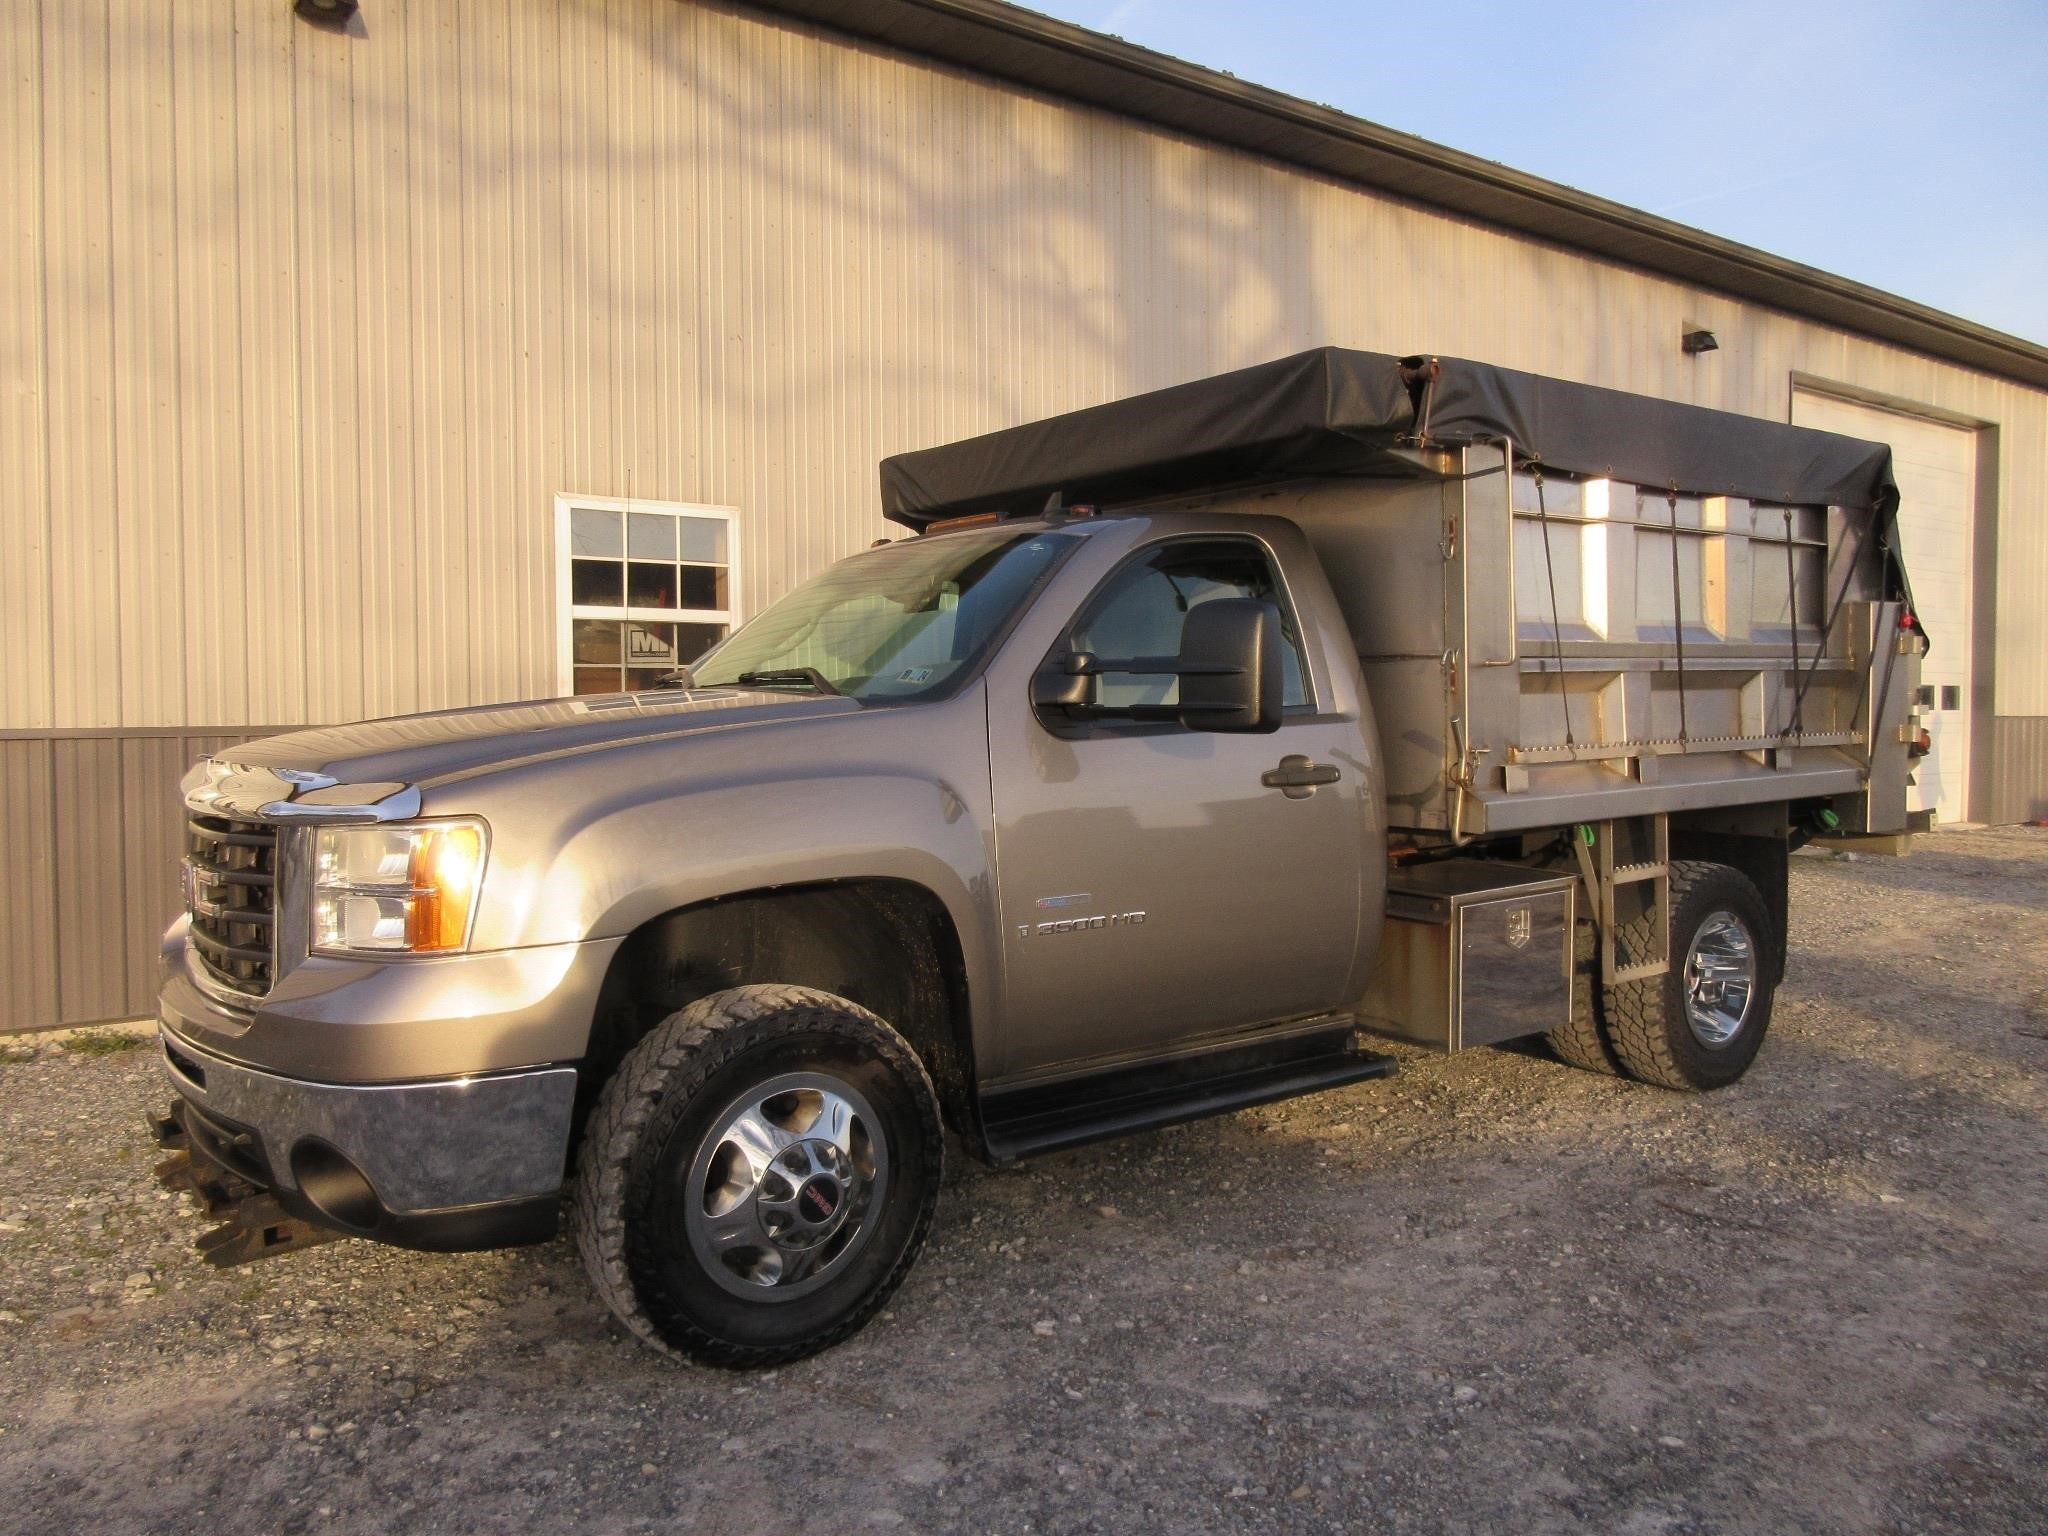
column 1489, row 1293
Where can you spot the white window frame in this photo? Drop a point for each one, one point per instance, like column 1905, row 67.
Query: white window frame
column 567, row 612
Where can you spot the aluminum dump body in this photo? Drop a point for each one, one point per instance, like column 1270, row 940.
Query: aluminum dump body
column 1576, row 649
column 1570, row 604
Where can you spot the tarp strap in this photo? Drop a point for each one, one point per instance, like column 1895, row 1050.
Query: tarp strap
column 1564, row 694
column 1677, row 613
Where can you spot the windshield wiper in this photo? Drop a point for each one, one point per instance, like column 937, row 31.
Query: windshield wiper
column 784, row 676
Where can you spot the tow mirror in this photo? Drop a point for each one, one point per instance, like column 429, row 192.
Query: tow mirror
column 1068, row 687
column 1230, row 666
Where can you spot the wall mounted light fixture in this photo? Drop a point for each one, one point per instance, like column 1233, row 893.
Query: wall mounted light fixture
column 327, row 13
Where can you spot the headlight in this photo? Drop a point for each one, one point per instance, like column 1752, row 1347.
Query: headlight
column 410, row 889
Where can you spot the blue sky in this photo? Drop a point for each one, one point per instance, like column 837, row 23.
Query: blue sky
column 1901, row 144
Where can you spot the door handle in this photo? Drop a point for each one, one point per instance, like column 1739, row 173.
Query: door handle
column 1297, row 777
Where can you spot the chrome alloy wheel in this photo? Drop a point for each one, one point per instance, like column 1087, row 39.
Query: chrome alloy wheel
column 1720, row 979
column 786, row 1186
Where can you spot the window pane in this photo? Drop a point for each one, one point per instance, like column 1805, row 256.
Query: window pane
column 597, row 680
column 703, row 586
column 596, row 533
column 597, row 581
column 1142, row 613
column 693, row 640
column 597, row 643
column 653, row 535
column 649, row 585
column 703, row 539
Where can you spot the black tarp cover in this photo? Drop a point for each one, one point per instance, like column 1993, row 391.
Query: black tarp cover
column 1333, row 411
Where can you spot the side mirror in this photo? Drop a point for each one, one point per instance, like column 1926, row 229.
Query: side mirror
column 1230, row 666
column 1067, row 688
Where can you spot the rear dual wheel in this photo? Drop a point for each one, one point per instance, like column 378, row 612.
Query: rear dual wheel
column 1700, row 1024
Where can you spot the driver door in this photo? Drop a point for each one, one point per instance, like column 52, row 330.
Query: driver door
column 1155, row 891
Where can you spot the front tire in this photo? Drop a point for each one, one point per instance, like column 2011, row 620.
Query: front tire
column 758, row 1177
column 1700, row 1024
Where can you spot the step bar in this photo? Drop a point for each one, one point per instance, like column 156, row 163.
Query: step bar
column 1053, row 1117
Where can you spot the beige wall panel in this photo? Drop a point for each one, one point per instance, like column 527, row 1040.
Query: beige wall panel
column 82, row 272
column 92, row 856
column 28, row 887
column 144, row 885
column 142, row 582
column 212, row 628
column 346, row 313
column 2019, row 775
column 90, row 837
column 287, row 190
column 2020, row 644
column 26, row 679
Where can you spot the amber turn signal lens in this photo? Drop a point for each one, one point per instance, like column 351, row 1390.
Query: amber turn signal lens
column 446, row 862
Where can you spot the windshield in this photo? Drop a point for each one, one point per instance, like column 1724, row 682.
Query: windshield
column 893, row 623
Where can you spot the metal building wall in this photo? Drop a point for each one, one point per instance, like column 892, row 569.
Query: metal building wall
column 300, row 333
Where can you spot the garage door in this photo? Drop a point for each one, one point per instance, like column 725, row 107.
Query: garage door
column 1936, row 466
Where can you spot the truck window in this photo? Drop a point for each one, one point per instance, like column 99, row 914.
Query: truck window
column 897, row 622
column 1141, row 609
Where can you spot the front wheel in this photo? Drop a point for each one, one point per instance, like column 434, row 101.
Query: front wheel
column 1701, row 1023
column 758, row 1176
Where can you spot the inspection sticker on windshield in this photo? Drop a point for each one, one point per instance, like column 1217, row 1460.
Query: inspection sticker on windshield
column 914, row 675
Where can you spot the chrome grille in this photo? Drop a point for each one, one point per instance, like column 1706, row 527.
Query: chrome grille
column 231, row 894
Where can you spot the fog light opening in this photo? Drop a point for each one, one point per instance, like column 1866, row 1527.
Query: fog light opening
column 335, row 1186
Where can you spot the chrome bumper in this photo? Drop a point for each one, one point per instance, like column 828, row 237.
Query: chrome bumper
column 424, row 1147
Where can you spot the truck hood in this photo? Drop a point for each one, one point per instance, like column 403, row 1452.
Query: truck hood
column 419, row 751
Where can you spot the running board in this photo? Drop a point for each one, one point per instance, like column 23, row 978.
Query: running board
column 1027, row 1122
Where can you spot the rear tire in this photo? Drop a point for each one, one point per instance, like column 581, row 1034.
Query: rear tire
column 759, row 1175
column 1581, row 1041
column 1701, row 1024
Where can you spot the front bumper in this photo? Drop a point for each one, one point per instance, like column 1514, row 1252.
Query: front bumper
column 379, row 1021
column 458, row 1163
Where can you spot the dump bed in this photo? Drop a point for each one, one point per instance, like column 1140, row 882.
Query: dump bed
column 1542, row 648
column 1570, row 604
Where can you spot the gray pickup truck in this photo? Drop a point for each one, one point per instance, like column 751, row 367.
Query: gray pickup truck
column 1182, row 745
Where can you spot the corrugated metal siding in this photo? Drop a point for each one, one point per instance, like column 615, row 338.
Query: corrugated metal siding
column 89, row 860
column 303, row 333
column 2019, row 775
column 28, row 875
